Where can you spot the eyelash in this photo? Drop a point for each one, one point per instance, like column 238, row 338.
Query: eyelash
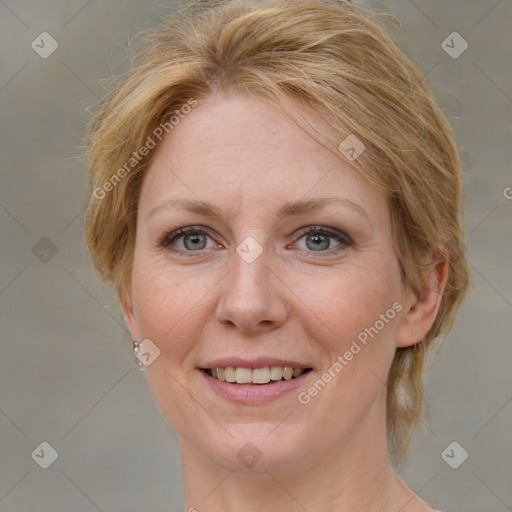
column 343, row 239
column 339, row 236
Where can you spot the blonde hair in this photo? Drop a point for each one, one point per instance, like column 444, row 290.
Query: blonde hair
column 338, row 61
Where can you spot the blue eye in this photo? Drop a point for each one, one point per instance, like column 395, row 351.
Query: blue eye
column 313, row 239
column 320, row 239
column 189, row 239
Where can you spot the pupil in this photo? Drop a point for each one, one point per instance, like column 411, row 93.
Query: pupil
column 319, row 242
column 194, row 242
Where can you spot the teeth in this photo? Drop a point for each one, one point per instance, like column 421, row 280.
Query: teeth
column 276, row 372
column 287, row 372
column 243, row 375
column 261, row 375
column 229, row 374
column 255, row 376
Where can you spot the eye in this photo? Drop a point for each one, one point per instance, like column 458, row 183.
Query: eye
column 190, row 239
column 321, row 239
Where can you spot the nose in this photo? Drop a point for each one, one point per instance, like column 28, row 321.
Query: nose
column 252, row 297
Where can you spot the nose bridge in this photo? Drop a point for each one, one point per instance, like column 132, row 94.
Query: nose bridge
column 251, row 297
column 250, row 271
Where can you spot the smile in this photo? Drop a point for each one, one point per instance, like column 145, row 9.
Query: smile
column 264, row 375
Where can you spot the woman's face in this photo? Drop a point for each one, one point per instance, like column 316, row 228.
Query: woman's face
column 258, row 248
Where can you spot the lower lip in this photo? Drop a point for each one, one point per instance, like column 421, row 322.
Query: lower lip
column 254, row 393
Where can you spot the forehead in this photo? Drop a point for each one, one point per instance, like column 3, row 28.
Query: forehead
column 236, row 152
column 227, row 128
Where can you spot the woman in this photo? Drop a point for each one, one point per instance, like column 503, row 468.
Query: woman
column 277, row 200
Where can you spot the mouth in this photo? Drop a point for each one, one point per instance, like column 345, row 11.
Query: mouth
column 266, row 375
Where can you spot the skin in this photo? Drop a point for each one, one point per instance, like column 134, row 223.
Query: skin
column 293, row 301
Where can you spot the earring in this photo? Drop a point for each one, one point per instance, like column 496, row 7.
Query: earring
column 136, row 353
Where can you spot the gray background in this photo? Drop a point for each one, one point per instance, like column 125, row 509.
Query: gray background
column 66, row 376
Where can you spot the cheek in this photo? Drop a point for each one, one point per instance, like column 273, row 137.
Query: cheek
column 167, row 305
column 353, row 317
column 351, row 300
column 168, row 310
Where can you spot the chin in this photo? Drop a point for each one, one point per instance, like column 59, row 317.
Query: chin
column 264, row 447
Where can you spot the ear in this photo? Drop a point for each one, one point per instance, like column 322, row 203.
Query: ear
column 421, row 308
column 129, row 316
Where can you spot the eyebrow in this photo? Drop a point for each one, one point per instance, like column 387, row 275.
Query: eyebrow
column 293, row 208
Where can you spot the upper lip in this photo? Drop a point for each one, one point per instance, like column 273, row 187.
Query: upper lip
column 259, row 362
